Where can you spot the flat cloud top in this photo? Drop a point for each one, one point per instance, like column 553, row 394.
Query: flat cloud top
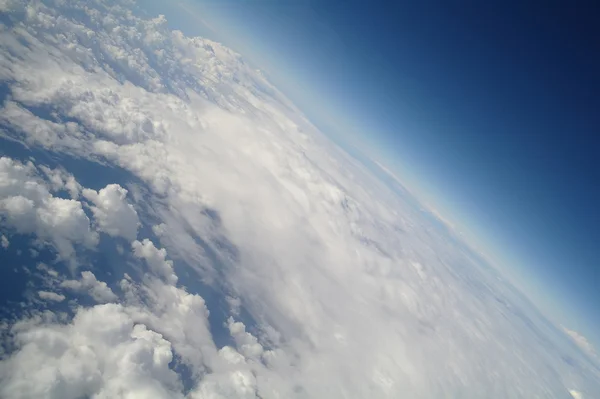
column 331, row 285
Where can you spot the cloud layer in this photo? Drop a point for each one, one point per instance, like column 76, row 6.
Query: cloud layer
column 323, row 281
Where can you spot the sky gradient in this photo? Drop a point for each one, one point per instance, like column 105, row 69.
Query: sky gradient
column 489, row 111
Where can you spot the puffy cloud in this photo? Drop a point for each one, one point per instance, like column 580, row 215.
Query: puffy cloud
column 155, row 259
column 27, row 205
column 235, row 384
column 88, row 284
column 235, row 304
column 129, row 350
column 51, row 296
column 112, row 213
column 60, row 179
column 103, row 353
column 180, row 316
column 246, row 343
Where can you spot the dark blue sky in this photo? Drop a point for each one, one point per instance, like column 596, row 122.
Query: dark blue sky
column 493, row 110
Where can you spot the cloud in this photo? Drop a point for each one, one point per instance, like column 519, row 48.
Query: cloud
column 342, row 287
column 128, row 350
column 4, row 241
column 60, row 179
column 51, row 296
column 103, row 353
column 88, row 284
column 235, row 304
column 28, row 206
column 112, row 213
column 247, row 343
column 581, row 341
column 576, row 394
column 155, row 259
column 236, row 384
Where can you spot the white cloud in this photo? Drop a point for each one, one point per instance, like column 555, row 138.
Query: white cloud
column 246, row 343
column 581, row 341
column 4, row 241
column 576, row 394
column 155, row 259
column 112, row 213
column 60, row 179
column 235, row 304
column 88, row 284
column 27, row 205
column 103, row 353
column 235, row 384
column 51, row 296
column 352, row 292
column 124, row 350
column 178, row 315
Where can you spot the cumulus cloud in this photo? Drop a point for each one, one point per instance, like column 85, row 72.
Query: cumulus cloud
column 112, row 213
column 28, row 206
column 236, row 384
column 51, row 296
column 88, row 284
column 103, row 353
column 235, row 304
column 347, row 289
column 128, row 350
column 246, row 343
column 60, row 179
column 155, row 259
column 4, row 241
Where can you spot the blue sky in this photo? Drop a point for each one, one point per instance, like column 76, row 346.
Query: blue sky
column 490, row 112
